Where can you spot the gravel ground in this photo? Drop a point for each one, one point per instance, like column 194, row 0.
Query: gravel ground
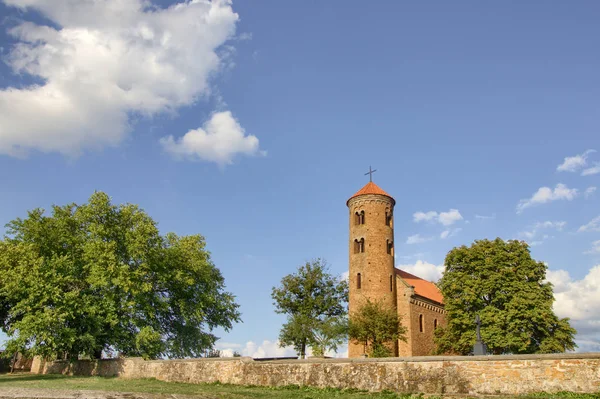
column 35, row 393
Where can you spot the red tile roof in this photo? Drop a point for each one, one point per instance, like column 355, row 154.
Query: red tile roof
column 371, row 188
column 424, row 288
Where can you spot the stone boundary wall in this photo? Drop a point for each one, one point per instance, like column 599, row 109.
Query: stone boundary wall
column 475, row 375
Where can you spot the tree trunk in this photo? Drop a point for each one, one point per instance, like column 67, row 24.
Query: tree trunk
column 14, row 361
column 303, row 350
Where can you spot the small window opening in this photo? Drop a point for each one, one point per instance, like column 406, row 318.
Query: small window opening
column 359, row 246
column 359, row 217
column 358, row 281
column 421, row 323
column 388, row 218
column 390, row 247
column 434, row 324
column 391, row 283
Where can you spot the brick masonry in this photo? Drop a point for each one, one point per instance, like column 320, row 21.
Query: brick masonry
column 475, row 375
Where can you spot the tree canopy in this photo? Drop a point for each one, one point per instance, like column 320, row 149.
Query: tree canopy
column 315, row 303
column 501, row 282
column 376, row 326
column 99, row 276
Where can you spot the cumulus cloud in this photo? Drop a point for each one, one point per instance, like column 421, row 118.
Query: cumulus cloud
column 218, row 140
column 535, row 229
column 417, row 239
column 591, row 171
column 579, row 300
column 595, row 248
column 449, row 233
column 444, row 218
column 593, row 225
column 425, row 270
column 574, row 163
column 104, row 61
column 589, row 191
column 546, row 194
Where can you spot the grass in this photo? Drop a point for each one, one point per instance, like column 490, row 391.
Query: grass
column 221, row 391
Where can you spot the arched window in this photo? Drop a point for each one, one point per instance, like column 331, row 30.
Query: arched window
column 359, row 217
column 421, row 323
column 391, row 283
column 359, row 246
column 434, row 324
column 390, row 247
column 358, row 281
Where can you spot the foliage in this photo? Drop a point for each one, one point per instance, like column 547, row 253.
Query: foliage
column 376, row 326
column 502, row 283
column 314, row 302
column 99, row 276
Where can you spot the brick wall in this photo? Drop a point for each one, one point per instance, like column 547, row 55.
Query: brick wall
column 504, row 375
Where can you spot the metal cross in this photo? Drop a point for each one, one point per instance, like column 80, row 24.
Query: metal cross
column 370, row 173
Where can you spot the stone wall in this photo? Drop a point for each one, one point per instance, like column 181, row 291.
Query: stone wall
column 429, row 375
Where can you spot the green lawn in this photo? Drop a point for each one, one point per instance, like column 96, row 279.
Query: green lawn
column 24, row 380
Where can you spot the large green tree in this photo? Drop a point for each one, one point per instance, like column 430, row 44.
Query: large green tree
column 99, row 276
column 501, row 282
column 377, row 327
column 315, row 304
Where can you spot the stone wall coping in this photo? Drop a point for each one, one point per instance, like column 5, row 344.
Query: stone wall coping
column 418, row 359
column 414, row 359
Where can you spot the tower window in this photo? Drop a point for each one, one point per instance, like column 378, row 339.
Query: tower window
column 390, row 247
column 359, row 246
column 434, row 324
column 358, row 281
column 359, row 217
column 421, row 323
column 388, row 218
column 391, row 283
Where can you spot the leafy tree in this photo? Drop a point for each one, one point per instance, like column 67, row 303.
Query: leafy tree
column 314, row 302
column 99, row 277
column 502, row 283
column 376, row 326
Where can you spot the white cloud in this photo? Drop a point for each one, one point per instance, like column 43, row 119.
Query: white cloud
column 591, row 171
column 579, row 300
column 595, row 248
column 574, row 163
column 546, row 194
column 345, row 276
column 417, row 239
column 492, row 216
column 108, row 61
column 425, row 270
column 425, row 216
column 449, row 233
column 593, row 225
column 445, row 218
column 589, row 191
column 530, row 234
column 218, row 140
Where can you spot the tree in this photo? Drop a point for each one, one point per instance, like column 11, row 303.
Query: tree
column 502, row 283
column 376, row 326
column 314, row 302
column 99, row 277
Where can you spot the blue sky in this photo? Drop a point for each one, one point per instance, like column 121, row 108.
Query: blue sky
column 253, row 122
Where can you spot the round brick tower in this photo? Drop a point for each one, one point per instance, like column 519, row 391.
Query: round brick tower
column 372, row 273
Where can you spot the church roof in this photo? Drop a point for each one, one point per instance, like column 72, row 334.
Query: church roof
column 423, row 288
column 371, row 188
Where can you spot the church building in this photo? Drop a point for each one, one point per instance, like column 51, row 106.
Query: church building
column 373, row 274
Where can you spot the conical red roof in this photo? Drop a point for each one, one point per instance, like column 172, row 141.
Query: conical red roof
column 371, row 188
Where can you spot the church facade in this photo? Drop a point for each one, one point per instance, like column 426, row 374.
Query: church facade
column 373, row 275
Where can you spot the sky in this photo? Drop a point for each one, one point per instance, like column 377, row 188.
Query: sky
column 252, row 123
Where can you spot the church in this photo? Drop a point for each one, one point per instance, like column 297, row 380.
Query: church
column 373, row 275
